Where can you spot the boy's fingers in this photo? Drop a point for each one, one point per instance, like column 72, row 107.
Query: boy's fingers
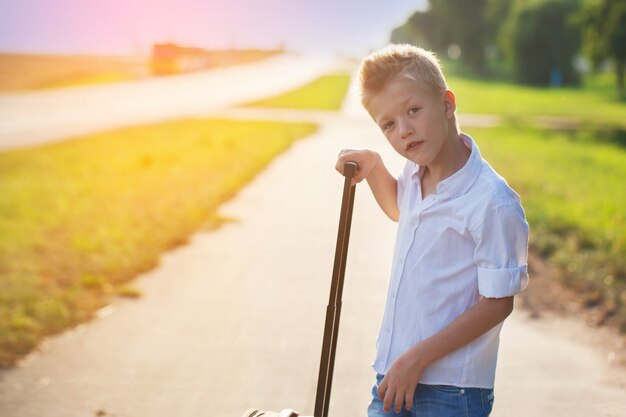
column 387, row 403
column 386, row 395
column 408, row 399
column 344, row 155
column 393, row 401
column 382, row 388
column 341, row 162
column 399, row 401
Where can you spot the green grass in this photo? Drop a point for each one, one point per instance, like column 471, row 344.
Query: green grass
column 325, row 93
column 572, row 188
column 571, row 179
column 593, row 105
column 79, row 219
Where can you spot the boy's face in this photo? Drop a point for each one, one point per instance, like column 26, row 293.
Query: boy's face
column 416, row 122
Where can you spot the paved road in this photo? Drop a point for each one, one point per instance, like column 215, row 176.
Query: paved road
column 234, row 319
column 44, row 116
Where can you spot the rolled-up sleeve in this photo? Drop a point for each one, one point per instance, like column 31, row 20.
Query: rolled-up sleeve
column 501, row 253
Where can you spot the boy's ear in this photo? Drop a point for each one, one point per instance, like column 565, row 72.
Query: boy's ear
column 449, row 102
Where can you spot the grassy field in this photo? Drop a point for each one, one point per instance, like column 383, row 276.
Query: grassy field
column 590, row 106
column 325, row 93
column 79, row 219
column 22, row 72
column 594, row 102
column 572, row 189
column 570, row 177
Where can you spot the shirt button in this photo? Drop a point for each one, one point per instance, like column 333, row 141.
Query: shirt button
column 462, row 392
column 401, row 260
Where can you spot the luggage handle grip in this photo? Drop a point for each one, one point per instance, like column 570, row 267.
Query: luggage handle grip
column 349, row 169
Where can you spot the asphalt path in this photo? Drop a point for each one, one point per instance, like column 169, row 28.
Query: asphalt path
column 234, row 319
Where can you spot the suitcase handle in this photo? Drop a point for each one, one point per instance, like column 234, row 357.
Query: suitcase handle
column 333, row 310
column 349, row 169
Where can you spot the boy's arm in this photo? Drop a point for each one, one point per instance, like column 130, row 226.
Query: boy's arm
column 370, row 167
column 400, row 382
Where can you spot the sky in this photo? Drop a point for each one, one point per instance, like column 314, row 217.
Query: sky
column 346, row 27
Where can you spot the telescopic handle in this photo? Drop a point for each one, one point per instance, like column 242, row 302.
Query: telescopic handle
column 333, row 310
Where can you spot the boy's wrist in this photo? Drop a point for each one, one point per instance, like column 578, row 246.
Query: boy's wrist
column 417, row 357
column 376, row 162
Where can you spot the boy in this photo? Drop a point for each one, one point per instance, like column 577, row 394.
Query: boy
column 461, row 245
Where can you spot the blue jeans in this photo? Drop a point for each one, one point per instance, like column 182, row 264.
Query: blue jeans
column 438, row 401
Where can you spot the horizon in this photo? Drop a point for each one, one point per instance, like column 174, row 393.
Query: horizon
column 85, row 28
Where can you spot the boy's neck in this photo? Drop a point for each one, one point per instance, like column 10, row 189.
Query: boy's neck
column 452, row 157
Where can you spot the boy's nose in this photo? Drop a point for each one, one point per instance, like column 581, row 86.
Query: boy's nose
column 406, row 130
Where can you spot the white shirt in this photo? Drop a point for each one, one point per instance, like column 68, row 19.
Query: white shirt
column 468, row 240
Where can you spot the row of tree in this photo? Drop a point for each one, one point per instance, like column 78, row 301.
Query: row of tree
column 540, row 39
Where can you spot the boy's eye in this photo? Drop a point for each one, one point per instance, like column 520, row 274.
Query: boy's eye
column 414, row 110
column 387, row 125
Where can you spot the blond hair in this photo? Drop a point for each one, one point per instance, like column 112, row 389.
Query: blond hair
column 412, row 62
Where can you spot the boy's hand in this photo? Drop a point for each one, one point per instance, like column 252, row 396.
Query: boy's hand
column 365, row 159
column 398, row 385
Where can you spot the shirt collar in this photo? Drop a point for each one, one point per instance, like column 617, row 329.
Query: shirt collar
column 460, row 182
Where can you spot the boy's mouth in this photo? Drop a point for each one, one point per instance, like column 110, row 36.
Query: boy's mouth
column 413, row 145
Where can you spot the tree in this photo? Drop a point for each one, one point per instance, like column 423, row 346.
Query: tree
column 496, row 12
column 446, row 22
column 413, row 32
column 542, row 43
column 463, row 22
column 603, row 25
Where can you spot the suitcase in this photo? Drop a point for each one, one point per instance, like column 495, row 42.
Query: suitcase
column 333, row 310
